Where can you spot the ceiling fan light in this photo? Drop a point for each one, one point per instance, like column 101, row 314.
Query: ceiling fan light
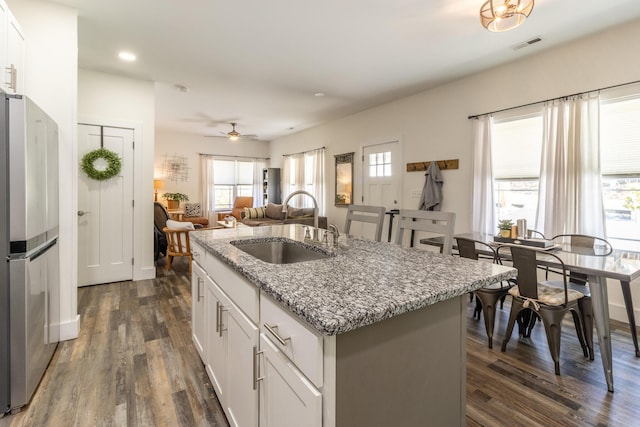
column 233, row 137
column 504, row 15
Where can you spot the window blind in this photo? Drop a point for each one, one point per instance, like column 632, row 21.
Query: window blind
column 620, row 137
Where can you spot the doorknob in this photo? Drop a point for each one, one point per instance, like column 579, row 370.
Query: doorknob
column 395, row 202
column 82, row 213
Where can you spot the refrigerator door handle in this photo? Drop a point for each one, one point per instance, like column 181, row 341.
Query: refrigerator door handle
column 41, row 250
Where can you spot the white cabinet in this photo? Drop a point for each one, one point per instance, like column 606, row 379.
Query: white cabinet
column 198, row 325
column 217, row 310
column 241, row 401
column 287, row 397
column 12, row 52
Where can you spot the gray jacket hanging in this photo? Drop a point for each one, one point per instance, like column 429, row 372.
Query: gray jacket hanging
column 431, row 199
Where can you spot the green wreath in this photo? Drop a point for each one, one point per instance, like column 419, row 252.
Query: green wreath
column 113, row 164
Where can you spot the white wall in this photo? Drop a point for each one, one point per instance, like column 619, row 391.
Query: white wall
column 119, row 101
column 51, row 81
column 433, row 125
column 178, row 144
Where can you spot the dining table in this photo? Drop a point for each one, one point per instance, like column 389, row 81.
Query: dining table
column 599, row 265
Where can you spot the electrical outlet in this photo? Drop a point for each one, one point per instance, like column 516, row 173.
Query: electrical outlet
column 415, row 194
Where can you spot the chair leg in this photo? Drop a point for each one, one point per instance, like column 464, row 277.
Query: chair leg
column 586, row 310
column 516, row 307
column 628, row 303
column 478, row 309
column 169, row 258
column 580, row 326
column 487, row 302
column 552, row 321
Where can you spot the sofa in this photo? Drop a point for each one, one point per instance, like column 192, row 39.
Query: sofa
column 272, row 215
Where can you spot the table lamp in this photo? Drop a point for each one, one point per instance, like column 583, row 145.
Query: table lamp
column 158, row 184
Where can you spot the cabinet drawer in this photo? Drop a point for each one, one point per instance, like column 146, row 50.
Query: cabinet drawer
column 197, row 252
column 239, row 290
column 301, row 344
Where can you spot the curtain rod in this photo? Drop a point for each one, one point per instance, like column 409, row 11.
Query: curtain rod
column 233, row 157
column 303, row 152
column 553, row 99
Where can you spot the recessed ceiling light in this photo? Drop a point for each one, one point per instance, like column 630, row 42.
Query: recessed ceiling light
column 318, row 94
column 127, row 56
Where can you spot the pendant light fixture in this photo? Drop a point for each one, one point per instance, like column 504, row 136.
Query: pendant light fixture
column 503, row 15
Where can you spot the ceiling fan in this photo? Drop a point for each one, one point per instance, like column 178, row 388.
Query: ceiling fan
column 234, row 135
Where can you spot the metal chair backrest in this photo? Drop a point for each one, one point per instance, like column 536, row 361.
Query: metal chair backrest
column 468, row 248
column 597, row 246
column 367, row 214
column 525, row 260
column 441, row 223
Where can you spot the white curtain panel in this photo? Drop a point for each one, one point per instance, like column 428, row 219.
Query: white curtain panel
column 258, row 166
column 553, row 172
column 206, row 186
column 585, row 210
column 484, row 211
column 570, row 191
column 317, row 174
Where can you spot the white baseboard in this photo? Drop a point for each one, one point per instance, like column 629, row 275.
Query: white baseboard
column 145, row 273
column 619, row 312
column 70, row 330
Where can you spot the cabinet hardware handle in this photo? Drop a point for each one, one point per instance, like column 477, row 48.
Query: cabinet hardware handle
column 13, row 76
column 272, row 329
column 256, row 367
column 217, row 316
column 199, row 293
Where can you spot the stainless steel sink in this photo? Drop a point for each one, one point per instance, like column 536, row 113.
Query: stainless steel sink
column 280, row 252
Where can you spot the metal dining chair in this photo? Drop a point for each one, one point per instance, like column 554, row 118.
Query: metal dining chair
column 487, row 296
column 594, row 246
column 549, row 303
column 366, row 214
column 432, row 222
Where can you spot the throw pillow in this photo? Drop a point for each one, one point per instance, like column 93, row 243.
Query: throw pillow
column 179, row 225
column 300, row 212
column 254, row 213
column 192, row 209
column 274, row 211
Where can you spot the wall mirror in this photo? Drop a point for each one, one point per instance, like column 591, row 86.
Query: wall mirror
column 344, row 179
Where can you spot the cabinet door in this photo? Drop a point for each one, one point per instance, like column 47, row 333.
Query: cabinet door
column 217, row 310
column 198, row 309
column 287, row 397
column 241, row 393
column 15, row 60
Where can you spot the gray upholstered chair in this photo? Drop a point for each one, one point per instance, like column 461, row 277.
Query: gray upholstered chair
column 366, row 214
column 435, row 223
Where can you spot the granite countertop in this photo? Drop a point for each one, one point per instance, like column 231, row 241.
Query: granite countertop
column 361, row 283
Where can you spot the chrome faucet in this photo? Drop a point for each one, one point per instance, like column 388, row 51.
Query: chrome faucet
column 315, row 205
column 336, row 233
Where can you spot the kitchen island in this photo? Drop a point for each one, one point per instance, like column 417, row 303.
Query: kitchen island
column 373, row 334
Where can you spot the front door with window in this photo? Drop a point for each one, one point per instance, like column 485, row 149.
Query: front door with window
column 381, row 170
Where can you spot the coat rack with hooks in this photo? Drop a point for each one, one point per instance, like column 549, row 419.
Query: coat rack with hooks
column 423, row 166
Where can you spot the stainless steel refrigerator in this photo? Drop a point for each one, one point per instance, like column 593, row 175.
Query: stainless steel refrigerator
column 29, row 258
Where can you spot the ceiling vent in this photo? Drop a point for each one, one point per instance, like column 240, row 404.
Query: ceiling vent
column 526, row 44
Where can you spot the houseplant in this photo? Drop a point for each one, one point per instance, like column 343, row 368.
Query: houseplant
column 174, row 199
column 504, row 225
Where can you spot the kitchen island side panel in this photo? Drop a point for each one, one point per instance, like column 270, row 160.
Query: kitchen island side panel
column 409, row 370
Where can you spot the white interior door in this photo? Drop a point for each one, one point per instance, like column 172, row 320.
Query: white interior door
column 381, row 178
column 105, row 210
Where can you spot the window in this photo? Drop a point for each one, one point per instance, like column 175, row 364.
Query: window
column 380, row 164
column 516, row 148
column 305, row 171
column 620, row 158
column 516, row 154
column 232, row 178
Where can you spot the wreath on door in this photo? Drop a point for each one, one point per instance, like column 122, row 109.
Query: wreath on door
column 114, row 164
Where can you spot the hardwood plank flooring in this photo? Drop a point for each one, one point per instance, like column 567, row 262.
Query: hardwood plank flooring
column 134, row 364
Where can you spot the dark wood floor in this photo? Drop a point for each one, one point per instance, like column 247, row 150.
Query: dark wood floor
column 134, row 365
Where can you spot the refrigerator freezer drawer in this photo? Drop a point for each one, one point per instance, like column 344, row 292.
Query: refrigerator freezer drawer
column 31, row 339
